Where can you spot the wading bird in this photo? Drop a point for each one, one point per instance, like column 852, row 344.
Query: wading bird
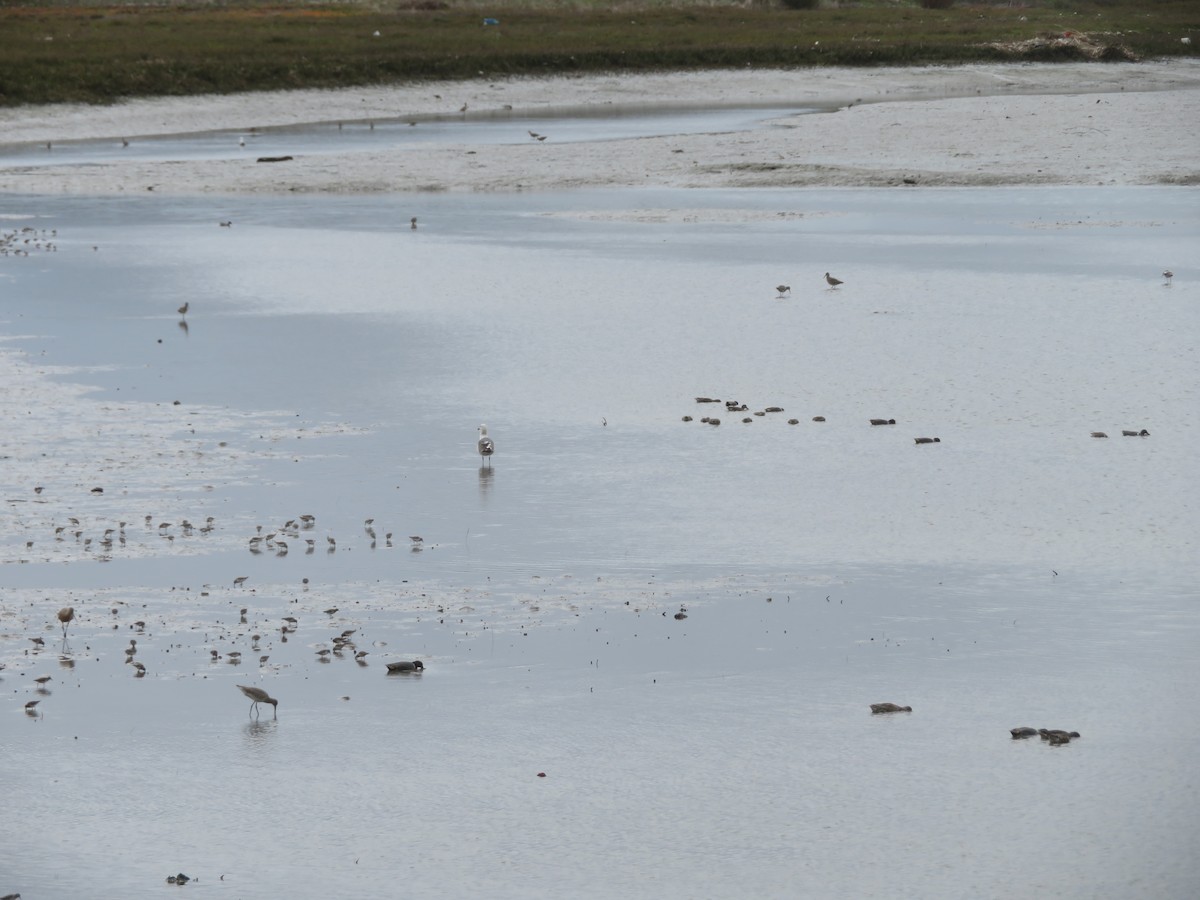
column 486, row 446
column 833, row 282
column 66, row 615
column 258, row 695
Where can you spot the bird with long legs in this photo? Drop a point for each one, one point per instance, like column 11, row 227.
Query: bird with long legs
column 66, row 616
column 258, row 695
column 486, row 445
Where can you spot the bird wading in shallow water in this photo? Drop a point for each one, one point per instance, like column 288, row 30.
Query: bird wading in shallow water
column 486, row 446
column 258, row 695
column 831, row 281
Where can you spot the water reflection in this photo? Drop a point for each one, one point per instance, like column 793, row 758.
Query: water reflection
column 183, row 326
column 485, row 480
column 258, row 732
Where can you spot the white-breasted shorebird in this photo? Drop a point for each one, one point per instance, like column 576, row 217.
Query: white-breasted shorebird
column 1168, row 274
column 486, row 445
column 413, row 666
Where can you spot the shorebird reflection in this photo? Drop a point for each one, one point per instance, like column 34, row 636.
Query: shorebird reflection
column 183, row 325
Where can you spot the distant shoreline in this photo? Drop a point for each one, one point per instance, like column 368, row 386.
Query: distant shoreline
column 1073, row 123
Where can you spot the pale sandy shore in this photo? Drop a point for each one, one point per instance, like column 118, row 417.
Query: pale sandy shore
column 1085, row 123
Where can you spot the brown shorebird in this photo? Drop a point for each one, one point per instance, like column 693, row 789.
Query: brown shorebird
column 66, row 615
column 412, row 223
column 406, row 666
column 831, row 281
column 889, row 708
column 41, row 680
column 486, row 446
column 258, row 695
column 783, row 288
column 183, row 309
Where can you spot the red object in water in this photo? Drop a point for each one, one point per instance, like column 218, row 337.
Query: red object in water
column 541, row 774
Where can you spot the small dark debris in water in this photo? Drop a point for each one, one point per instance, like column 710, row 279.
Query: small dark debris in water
column 793, row 421
column 269, row 159
column 687, row 418
column 97, row 490
column 541, row 774
column 818, row 418
column 680, row 615
column 889, row 708
column 178, row 879
column 176, row 403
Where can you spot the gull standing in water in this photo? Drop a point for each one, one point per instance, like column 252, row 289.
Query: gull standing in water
column 486, row 446
column 258, row 695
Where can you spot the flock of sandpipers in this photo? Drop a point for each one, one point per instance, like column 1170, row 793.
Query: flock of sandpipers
column 26, row 240
column 342, row 645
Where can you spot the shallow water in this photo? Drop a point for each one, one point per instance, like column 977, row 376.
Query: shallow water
column 373, row 135
column 336, row 363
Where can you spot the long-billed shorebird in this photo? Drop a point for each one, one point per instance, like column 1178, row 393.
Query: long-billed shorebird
column 258, row 695
column 783, row 288
column 831, row 281
column 486, row 446
column 66, row 615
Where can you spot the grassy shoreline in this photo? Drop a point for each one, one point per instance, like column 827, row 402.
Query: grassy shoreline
column 55, row 53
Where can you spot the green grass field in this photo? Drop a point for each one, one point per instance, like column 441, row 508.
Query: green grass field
column 57, row 52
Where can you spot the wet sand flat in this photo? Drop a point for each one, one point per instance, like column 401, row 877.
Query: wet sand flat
column 650, row 644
